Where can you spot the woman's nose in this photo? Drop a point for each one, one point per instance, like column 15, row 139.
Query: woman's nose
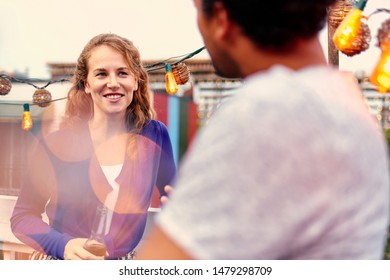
column 112, row 82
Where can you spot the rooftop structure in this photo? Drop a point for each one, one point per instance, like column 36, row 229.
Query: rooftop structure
column 202, row 70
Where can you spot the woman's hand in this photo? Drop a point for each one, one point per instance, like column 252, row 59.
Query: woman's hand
column 164, row 199
column 74, row 250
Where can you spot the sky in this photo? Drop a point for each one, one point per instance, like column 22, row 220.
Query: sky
column 34, row 33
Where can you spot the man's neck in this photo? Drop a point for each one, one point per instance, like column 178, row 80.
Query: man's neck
column 305, row 53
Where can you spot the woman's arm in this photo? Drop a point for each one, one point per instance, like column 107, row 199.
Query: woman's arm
column 27, row 221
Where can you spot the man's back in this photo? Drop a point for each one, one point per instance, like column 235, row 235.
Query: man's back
column 282, row 173
column 294, row 166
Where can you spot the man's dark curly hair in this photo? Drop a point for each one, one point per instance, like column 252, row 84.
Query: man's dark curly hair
column 275, row 24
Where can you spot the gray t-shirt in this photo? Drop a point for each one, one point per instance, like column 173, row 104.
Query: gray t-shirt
column 292, row 167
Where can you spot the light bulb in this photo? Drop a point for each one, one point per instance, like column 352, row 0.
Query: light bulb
column 27, row 123
column 348, row 30
column 381, row 74
column 170, row 82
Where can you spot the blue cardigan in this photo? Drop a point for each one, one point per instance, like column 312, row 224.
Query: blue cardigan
column 66, row 181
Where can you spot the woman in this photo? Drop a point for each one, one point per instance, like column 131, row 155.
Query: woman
column 108, row 151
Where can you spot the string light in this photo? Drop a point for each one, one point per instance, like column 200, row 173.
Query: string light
column 181, row 73
column 349, row 29
column 42, row 97
column 351, row 37
column 381, row 74
column 27, row 122
column 339, row 11
column 384, row 34
column 5, row 85
column 171, row 85
column 180, row 77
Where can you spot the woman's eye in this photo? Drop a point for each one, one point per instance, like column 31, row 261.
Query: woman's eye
column 100, row 74
column 123, row 74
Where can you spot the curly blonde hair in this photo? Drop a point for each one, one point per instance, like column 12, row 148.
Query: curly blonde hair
column 79, row 107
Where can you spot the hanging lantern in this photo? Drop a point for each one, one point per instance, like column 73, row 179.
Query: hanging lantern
column 384, row 35
column 42, row 97
column 361, row 42
column 338, row 12
column 5, row 86
column 181, row 73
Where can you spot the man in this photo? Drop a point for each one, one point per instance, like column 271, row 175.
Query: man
column 292, row 167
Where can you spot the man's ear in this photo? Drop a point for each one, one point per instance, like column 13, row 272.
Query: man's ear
column 223, row 24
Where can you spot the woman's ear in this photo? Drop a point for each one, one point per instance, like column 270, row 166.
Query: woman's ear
column 136, row 84
column 86, row 87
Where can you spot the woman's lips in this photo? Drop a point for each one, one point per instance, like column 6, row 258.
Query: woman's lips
column 113, row 96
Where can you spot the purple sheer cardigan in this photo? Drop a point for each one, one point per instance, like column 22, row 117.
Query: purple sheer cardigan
column 66, row 181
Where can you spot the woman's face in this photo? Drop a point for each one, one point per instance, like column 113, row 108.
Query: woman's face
column 110, row 82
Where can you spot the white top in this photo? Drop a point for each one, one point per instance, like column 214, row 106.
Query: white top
column 292, row 167
column 111, row 172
